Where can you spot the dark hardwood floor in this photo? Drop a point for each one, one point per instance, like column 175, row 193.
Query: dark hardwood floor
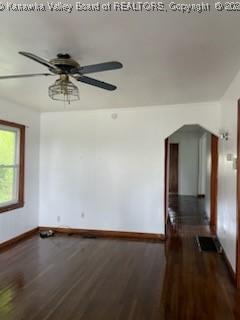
column 187, row 210
column 72, row 278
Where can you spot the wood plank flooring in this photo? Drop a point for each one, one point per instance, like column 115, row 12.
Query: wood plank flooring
column 72, row 278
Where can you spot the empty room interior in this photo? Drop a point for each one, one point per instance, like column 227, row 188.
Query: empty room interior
column 119, row 161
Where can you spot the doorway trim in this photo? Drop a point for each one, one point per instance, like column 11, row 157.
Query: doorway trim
column 213, row 184
column 166, row 192
column 237, row 275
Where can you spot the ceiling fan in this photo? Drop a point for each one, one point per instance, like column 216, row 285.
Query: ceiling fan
column 64, row 67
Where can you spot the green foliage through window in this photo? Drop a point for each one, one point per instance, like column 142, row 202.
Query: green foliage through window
column 7, row 158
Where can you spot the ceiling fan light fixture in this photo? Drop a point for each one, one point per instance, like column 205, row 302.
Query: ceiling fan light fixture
column 63, row 90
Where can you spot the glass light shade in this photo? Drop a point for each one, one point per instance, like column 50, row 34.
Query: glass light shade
column 63, row 90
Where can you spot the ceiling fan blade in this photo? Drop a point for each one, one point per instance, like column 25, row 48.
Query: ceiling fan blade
column 96, row 83
column 112, row 65
column 40, row 60
column 25, row 75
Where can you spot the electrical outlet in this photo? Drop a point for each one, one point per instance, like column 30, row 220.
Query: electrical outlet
column 82, row 215
column 235, row 164
column 58, row 218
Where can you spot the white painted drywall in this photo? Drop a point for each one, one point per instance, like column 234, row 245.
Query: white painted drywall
column 202, row 165
column 227, row 175
column 110, row 170
column 16, row 222
column 188, row 145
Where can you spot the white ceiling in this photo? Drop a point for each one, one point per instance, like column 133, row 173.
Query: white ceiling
column 168, row 58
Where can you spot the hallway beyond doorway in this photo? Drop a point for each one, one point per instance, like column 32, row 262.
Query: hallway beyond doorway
column 187, row 210
column 187, row 216
column 195, row 172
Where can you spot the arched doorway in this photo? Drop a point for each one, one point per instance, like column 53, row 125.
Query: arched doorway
column 180, row 182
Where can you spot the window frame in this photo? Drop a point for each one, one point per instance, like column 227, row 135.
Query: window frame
column 20, row 198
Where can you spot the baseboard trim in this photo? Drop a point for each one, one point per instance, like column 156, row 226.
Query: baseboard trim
column 84, row 232
column 15, row 240
column 109, row 234
column 229, row 266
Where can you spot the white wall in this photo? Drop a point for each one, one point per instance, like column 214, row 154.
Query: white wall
column 16, row 222
column 188, row 144
column 112, row 170
column 205, row 170
column 227, row 176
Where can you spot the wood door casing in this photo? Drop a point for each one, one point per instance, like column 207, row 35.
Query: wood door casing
column 214, row 182
column 173, row 168
column 238, row 201
column 166, row 182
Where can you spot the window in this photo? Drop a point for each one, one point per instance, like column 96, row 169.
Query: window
column 12, row 142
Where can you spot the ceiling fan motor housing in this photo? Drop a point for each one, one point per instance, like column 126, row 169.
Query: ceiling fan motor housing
column 65, row 63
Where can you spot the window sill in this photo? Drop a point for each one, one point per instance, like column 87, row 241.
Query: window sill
column 11, row 207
